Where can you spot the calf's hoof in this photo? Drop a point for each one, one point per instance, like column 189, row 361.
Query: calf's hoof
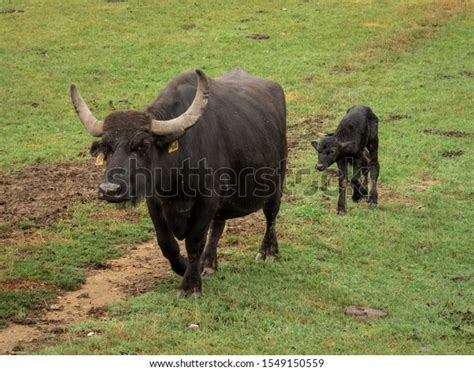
column 261, row 256
column 208, row 271
column 359, row 197
column 341, row 212
column 372, row 205
column 182, row 294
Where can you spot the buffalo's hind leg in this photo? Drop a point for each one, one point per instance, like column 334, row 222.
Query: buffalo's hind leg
column 209, row 255
column 168, row 245
column 269, row 248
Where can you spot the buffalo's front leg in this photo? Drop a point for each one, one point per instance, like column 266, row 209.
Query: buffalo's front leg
column 209, row 256
column 341, row 202
column 195, row 241
column 191, row 285
column 166, row 240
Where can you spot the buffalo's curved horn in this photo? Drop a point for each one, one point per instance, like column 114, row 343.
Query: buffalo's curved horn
column 192, row 114
column 94, row 127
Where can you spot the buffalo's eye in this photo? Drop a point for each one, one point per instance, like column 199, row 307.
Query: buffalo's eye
column 141, row 146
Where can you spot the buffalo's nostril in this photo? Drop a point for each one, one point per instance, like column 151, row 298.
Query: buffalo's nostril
column 320, row 167
column 110, row 189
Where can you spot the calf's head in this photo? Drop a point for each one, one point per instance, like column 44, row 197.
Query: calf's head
column 330, row 149
column 133, row 142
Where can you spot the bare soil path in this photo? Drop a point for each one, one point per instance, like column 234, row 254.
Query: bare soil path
column 135, row 272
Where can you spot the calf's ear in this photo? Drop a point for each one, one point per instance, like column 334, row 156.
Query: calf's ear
column 314, row 144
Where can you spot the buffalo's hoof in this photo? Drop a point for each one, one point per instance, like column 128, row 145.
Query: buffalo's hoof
column 372, row 205
column 208, row 271
column 341, row 212
column 265, row 257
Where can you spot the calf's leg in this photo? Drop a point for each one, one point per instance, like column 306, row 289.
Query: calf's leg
column 341, row 202
column 359, row 188
column 374, row 172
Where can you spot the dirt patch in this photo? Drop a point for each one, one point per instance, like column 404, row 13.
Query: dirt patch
column 364, row 312
column 447, row 133
column 388, row 194
column 259, row 36
column 460, row 278
column 467, row 317
column 188, row 26
column 11, row 11
column 293, row 96
column 311, row 79
column 253, row 223
column 467, row 73
column 40, row 195
column 397, row 117
column 21, row 284
column 451, row 154
column 343, row 69
column 446, row 77
column 375, row 25
column 138, row 271
column 426, row 183
column 316, row 119
column 309, row 128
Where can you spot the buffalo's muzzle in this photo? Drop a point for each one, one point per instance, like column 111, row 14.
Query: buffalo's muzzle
column 320, row 167
column 110, row 192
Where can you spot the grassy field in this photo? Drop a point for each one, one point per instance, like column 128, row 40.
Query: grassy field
column 411, row 61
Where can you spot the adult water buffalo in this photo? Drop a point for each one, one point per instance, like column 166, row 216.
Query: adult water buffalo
column 204, row 151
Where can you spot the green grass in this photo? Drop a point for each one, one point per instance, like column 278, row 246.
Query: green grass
column 412, row 58
column 70, row 247
column 19, row 304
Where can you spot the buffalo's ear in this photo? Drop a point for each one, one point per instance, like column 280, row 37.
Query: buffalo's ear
column 96, row 148
column 163, row 141
column 315, row 144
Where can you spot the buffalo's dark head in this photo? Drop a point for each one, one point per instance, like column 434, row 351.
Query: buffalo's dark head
column 132, row 142
column 330, row 149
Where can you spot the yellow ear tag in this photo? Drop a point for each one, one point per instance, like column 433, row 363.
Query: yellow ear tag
column 173, row 147
column 100, row 159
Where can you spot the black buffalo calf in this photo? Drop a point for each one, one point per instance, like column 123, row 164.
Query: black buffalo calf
column 354, row 142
